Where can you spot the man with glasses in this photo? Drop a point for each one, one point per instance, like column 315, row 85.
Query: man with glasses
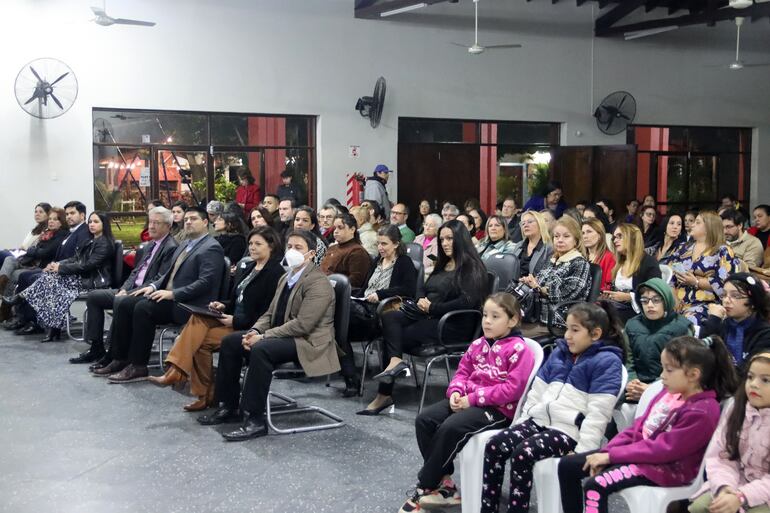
column 326, row 221
column 193, row 278
column 398, row 216
column 745, row 246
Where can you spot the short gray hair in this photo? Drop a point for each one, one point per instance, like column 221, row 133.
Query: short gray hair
column 330, row 206
column 215, row 207
column 437, row 219
column 450, row 209
column 165, row 214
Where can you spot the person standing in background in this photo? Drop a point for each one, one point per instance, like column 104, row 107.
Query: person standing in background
column 247, row 193
column 375, row 188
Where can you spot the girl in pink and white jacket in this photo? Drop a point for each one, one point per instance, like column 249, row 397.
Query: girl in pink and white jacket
column 490, row 380
column 738, row 459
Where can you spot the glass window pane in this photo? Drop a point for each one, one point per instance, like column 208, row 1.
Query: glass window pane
column 703, row 179
column 528, row 133
column 135, row 127
column 295, row 160
column 226, row 167
column 121, row 179
column 435, row 130
column 182, row 176
column 713, row 139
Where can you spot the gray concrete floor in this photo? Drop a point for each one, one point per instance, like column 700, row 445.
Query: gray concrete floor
column 70, row 442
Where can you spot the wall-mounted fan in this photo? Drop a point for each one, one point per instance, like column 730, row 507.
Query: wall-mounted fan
column 103, row 19
column 371, row 106
column 46, row 88
column 615, row 112
column 476, row 48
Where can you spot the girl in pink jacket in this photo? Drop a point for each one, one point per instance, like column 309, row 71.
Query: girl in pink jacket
column 490, row 380
column 738, row 459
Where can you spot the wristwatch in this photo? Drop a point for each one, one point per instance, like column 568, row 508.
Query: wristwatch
column 742, row 498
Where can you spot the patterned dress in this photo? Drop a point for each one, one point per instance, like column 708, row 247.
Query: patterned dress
column 51, row 297
column 693, row 302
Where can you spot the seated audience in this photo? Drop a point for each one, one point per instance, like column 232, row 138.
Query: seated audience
column 491, row 379
column 761, row 228
column 376, row 214
column 665, row 446
column 745, row 246
column 550, row 220
column 649, row 332
column 608, row 206
column 673, row 237
column 286, row 211
column 428, row 239
column 177, row 228
column 737, row 459
column 129, row 257
column 649, row 226
column 566, row 277
column 575, row 214
column 305, row 219
column 580, row 206
column 497, row 241
column 193, row 278
column 41, row 223
column 480, row 221
column 449, row 212
column 254, row 286
column 154, row 261
column 326, row 222
column 297, row 327
column 347, row 256
column 701, row 267
column 399, row 215
column 365, row 231
column 247, row 193
column 742, row 318
column 632, row 207
column 567, row 408
column 270, row 203
column 689, row 221
column 260, row 216
column 215, row 209
column 416, row 221
column 62, row 282
column 459, row 281
column 511, row 219
column 633, row 267
column 534, row 250
column 596, row 212
column 649, row 201
column 229, row 233
column 552, row 199
column 595, row 241
column 468, row 222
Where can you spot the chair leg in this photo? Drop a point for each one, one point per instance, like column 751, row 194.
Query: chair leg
column 448, row 370
column 425, row 379
column 291, row 407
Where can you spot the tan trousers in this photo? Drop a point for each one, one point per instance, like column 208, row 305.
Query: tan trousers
column 701, row 505
column 193, row 350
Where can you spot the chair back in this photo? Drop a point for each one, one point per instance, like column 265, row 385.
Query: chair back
column 224, row 284
column 420, row 287
column 342, row 290
column 414, row 251
column 596, row 283
column 506, row 267
column 537, row 352
column 493, row 282
column 647, row 397
column 117, row 265
column 667, row 273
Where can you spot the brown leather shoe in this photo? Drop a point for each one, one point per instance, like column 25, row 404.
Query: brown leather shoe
column 199, row 405
column 109, row 369
column 132, row 373
column 172, row 376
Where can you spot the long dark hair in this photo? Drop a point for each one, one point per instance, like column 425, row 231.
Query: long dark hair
column 43, row 225
column 349, row 221
column 483, row 216
column 394, row 234
column 734, row 423
column 104, row 217
column 711, row 356
column 604, row 316
column 267, row 216
column 234, row 223
column 313, row 219
column 470, row 275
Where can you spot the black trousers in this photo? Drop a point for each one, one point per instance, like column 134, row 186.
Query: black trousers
column 400, row 334
column 133, row 327
column 442, row 433
column 263, row 358
column 592, row 495
column 96, row 303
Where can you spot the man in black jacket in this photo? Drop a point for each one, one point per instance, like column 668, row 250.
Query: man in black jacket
column 194, row 278
column 154, row 262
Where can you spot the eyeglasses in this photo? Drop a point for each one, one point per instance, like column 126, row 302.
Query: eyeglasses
column 326, row 217
column 527, row 222
column 735, row 296
column 398, row 213
column 617, row 236
column 654, row 300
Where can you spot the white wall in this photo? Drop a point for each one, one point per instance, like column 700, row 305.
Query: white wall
column 313, row 57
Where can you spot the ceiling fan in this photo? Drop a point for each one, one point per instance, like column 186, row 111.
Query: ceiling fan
column 476, row 48
column 105, row 20
column 738, row 64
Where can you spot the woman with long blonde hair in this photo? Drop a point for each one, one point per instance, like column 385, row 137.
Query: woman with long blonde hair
column 534, row 250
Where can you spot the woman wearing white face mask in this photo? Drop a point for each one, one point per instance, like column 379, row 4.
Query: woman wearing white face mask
column 301, row 311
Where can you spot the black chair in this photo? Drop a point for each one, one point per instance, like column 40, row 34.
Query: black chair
column 593, row 295
column 172, row 330
column 289, row 405
column 506, row 267
column 493, row 282
column 414, row 251
column 117, row 274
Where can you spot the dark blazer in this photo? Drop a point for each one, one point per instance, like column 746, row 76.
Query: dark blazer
column 755, row 338
column 158, row 266
column 198, row 278
column 257, row 294
column 44, row 252
column 233, row 244
column 72, row 241
column 648, row 268
column 92, row 262
column 403, row 281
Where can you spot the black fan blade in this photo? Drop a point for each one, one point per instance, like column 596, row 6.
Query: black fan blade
column 620, row 114
column 622, row 102
column 53, row 96
column 609, row 123
column 34, row 97
column 61, row 77
column 35, row 73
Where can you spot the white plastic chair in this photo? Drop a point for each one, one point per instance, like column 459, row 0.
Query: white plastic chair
column 546, row 474
column 667, row 273
column 629, row 412
column 471, row 458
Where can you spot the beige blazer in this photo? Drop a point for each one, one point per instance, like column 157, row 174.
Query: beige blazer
column 309, row 321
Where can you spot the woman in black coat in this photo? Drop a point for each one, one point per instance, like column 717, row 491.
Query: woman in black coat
column 62, row 282
column 255, row 283
column 230, row 233
column 393, row 274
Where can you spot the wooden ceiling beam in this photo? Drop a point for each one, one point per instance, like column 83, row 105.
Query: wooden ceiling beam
column 619, row 12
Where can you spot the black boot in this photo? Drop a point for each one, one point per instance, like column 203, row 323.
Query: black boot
column 30, row 328
column 94, row 353
column 352, row 386
column 53, row 334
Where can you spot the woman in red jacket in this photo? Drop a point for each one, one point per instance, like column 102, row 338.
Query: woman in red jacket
column 595, row 241
column 247, row 193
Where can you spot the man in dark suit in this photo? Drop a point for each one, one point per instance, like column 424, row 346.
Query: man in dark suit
column 194, row 278
column 155, row 261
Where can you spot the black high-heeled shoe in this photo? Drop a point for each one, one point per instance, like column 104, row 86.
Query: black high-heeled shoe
column 31, row 328
column 53, row 334
column 376, row 411
column 389, row 376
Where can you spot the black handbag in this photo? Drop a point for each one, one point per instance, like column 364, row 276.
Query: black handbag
column 411, row 311
column 363, row 310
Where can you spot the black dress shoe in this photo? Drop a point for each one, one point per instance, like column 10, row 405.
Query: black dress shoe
column 222, row 415
column 13, row 324
column 54, row 334
column 251, row 428
column 94, row 352
column 389, row 376
column 101, row 362
column 31, row 328
column 352, row 386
